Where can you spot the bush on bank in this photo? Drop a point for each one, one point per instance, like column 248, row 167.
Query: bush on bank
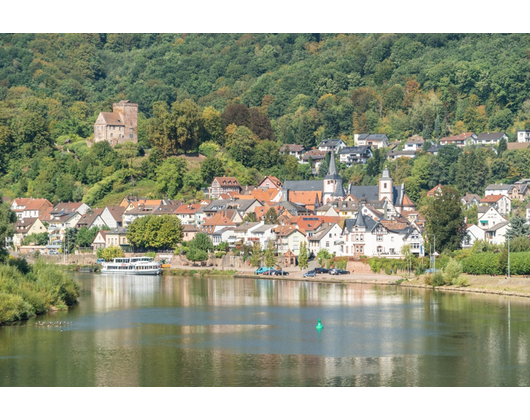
column 41, row 288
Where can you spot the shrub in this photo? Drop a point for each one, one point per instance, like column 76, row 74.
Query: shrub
column 452, row 271
column 151, row 254
column 437, row 279
column 14, row 308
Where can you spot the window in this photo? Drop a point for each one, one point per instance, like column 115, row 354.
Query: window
column 131, row 136
column 362, row 237
column 327, row 244
column 379, row 237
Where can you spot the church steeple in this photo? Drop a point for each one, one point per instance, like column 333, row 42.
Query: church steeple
column 386, row 186
column 332, row 182
column 332, row 171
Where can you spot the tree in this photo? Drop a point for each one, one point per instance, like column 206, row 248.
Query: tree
column 271, row 217
column 8, row 219
column 212, row 167
column 303, row 258
column 518, row 227
column 85, row 236
column 170, row 176
column 270, row 254
column 185, row 125
column 195, row 254
column 36, row 239
column 111, row 252
column 257, row 255
column 240, row 144
column 201, row 241
column 70, row 240
column 158, row 232
column 445, row 220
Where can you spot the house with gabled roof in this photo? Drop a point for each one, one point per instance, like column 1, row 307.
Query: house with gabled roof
column 326, row 236
column 331, row 145
column 490, row 139
column 289, row 239
column 355, row 155
column 269, row 182
column 216, row 222
column 396, row 154
column 508, row 190
column 296, row 150
column 30, row 207
column 186, row 213
column 365, row 236
column 25, row 227
column 100, row 241
column 375, row 141
column 461, row 140
column 112, row 216
column 470, row 200
column 222, row 185
column 473, row 234
column 501, row 202
column 89, row 221
column 488, row 216
column 496, row 234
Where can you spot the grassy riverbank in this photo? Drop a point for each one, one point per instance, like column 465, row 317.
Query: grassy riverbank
column 199, row 271
column 27, row 290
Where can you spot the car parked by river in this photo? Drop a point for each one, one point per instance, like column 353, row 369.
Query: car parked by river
column 337, row 271
column 279, row 273
column 310, row 273
column 321, row 270
column 262, row 270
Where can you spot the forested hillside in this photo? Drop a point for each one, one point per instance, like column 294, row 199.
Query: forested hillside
column 238, row 97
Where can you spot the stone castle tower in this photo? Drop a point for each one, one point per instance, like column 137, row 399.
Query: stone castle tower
column 118, row 126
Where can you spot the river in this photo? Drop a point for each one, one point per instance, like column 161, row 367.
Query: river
column 180, row 331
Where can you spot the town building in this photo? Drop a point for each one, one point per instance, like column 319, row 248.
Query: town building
column 375, row 141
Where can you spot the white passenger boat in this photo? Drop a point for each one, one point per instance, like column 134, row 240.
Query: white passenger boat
column 132, row 265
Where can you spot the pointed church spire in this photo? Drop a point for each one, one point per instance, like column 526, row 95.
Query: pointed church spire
column 332, row 171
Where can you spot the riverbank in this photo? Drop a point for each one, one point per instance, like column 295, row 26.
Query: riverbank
column 498, row 285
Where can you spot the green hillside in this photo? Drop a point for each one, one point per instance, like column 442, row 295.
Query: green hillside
column 238, row 97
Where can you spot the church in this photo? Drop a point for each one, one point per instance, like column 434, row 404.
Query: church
column 385, row 195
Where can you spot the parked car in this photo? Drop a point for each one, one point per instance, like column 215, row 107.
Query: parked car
column 262, row 270
column 337, row 271
column 100, row 260
column 279, row 273
column 268, row 273
column 321, row 270
column 310, row 274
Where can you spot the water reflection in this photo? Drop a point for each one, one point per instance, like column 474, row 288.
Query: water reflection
column 174, row 331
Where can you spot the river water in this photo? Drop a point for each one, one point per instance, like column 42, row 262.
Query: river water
column 180, row 331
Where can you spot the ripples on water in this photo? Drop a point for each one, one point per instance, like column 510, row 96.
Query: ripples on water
column 175, row 331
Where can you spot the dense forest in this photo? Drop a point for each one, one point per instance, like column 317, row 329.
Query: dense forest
column 236, row 98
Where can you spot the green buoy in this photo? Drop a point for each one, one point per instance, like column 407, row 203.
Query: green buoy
column 319, row 325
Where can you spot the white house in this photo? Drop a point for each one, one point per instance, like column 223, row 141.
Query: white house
column 329, row 145
column 473, row 233
column 365, row 236
column 496, row 234
column 376, row 141
column 488, row 217
column 501, row 202
column 355, row 155
column 328, row 236
column 523, row 136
